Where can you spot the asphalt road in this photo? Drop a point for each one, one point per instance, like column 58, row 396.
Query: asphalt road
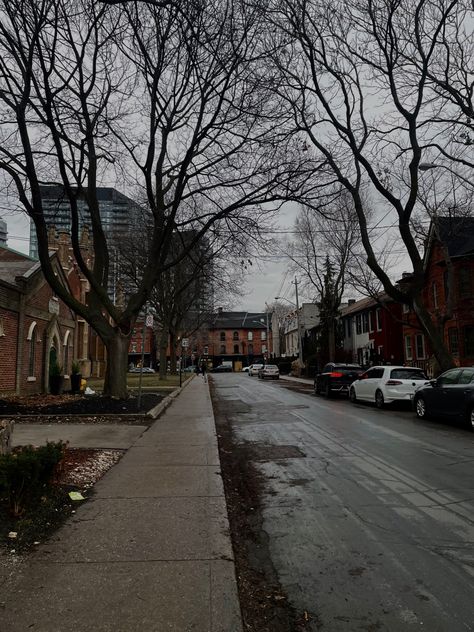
column 371, row 524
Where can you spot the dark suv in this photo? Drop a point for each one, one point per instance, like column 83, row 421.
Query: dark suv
column 451, row 396
column 336, row 378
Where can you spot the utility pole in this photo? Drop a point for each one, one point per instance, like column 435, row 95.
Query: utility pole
column 300, row 343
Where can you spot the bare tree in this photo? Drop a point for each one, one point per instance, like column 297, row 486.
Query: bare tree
column 169, row 100
column 358, row 78
column 323, row 251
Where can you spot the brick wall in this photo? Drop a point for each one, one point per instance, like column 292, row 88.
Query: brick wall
column 8, row 350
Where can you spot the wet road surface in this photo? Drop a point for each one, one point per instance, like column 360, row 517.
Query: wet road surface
column 370, row 518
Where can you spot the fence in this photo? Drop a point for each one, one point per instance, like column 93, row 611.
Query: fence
column 6, row 431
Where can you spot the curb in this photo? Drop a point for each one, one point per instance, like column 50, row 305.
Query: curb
column 160, row 408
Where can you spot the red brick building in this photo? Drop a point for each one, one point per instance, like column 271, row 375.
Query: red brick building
column 448, row 297
column 372, row 331
column 36, row 327
column 238, row 337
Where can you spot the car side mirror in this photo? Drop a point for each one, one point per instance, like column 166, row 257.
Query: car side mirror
column 434, row 382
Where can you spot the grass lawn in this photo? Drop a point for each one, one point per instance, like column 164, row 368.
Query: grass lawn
column 149, row 382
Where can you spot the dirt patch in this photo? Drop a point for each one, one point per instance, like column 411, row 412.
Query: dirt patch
column 130, row 420
column 269, row 452
column 76, row 405
column 79, row 470
column 264, row 605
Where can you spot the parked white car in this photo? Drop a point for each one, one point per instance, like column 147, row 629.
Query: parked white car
column 387, row 384
column 254, row 368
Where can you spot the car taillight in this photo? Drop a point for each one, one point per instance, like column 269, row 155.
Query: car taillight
column 393, row 383
column 336, row 374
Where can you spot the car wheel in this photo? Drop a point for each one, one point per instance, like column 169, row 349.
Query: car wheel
column 470, row 418
column 420, row 408
column 327, row 391
column 379, row 400
column 352, row 395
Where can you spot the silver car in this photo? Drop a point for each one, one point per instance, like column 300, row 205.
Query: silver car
column 254, row 369
column 269, row 370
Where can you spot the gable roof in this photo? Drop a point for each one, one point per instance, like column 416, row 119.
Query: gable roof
column 240, row 320
column 456, row 233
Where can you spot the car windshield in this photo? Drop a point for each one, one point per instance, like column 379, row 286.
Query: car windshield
column 347, row 369
column 271, row 366
column 408, row 374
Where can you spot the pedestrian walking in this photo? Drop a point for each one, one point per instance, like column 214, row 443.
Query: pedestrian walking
column 204, row 371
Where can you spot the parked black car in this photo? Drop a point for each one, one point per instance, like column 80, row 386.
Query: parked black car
column 336, row 378
column 450, row 396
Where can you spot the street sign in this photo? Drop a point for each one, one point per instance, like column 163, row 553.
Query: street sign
column 185, row 342
column 149, row 320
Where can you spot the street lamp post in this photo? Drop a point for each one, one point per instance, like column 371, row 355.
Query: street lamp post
column 426, row 166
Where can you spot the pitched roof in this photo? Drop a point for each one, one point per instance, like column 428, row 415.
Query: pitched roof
column 240, row 320
column 365, row 303
column 457, row 233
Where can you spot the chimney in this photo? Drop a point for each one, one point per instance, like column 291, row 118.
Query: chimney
column 351, row 301
column 63, row 248
column 220, row 310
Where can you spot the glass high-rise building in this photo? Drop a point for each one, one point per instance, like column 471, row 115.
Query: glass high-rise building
column 117, row 212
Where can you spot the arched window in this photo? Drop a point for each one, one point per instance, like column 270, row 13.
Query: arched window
column 236, row 348
column 32, row 351
column 236, row 335
column 66, row 352
column 222, row 336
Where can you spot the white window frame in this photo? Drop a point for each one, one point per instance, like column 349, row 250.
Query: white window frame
column 420, row 357
column 378, row 318
column 250, row 336
column 371, row 321
column 408, row 348
column 263, row 335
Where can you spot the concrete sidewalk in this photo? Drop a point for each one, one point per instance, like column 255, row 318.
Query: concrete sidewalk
column 150, row 552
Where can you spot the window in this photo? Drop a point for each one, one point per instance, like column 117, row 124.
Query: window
column 380, row 352
column 2, row 328
column 349, row 327
column 365, row 322
column 420, row 346
column 263, row 335
column 133, row 347
column 250, row 349
column 434, row 293
column 222, row 348
column 408, row 348
column 264, row 348
column 374, row 374
column 206, row 350
column 236, row 348
column 469, row 340
column 235, row 335
column 32, row 359
column 250, row 335
column 371, row 322
column 378, row 315
column 407, row 374
column 464, row 282
column 222, row 336
column 358, row 324
column 450, row 377
column 466, row 376
column 453, row 340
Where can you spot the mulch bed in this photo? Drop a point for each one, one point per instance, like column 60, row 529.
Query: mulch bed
column 76, row 405
column 79, row 470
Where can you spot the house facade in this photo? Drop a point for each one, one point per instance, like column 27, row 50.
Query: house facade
column 372, row 331
column 448, row 295
column 242, row 338
column 36, row 327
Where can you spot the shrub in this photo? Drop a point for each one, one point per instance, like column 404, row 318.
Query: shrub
column 55, row 369
column 75, row 368
column 25, row 474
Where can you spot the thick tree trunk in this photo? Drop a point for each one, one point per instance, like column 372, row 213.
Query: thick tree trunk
column 172, row 353
column 115, row 384
column 163, row 356
column 332, row 339
column 435, row 337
